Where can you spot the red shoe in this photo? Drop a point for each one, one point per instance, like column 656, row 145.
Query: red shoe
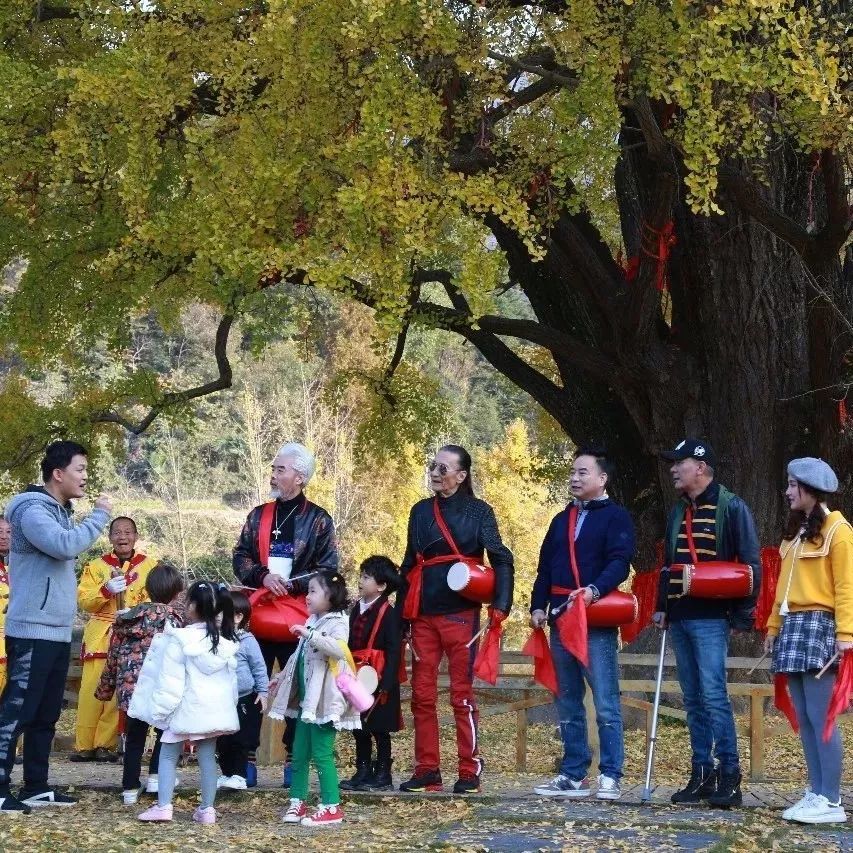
column 324, row 816
column 297, row 811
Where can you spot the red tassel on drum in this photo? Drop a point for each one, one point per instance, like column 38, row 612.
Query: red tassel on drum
column 488, row 657
column 782, row 699
column 841, row 694
column 571, row 626
column 543, row 664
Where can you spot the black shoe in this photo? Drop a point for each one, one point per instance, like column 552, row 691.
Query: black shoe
column 380, row 779
column 469, row 785
column 429, row 781
column 728, row 792
column 82, row 755
column 701, row 785
column 358, row 780
column 46, row 797
column 10, row 805
column 104, row 754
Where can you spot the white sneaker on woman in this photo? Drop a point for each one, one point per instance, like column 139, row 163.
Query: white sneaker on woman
column 805, row 800
column 821, row 810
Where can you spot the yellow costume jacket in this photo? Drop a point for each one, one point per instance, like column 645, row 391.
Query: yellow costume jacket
column 4, row 603
column 822, row 576
column 102, row 605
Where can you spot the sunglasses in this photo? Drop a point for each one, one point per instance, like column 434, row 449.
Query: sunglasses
column 442, row 468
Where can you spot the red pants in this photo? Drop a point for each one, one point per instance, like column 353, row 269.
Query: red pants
column 432, row 637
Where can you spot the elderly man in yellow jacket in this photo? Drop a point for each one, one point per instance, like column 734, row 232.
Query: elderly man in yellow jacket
column 5, row 542
column 108, row 584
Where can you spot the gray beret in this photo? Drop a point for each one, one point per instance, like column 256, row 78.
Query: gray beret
column 815, row 473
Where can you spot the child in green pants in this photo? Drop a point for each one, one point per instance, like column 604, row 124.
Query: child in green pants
column 306, row 690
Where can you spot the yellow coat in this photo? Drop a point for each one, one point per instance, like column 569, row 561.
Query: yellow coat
column 91, row 598
column 822, row 576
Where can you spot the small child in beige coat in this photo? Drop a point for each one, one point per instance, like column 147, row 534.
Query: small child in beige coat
column 306, row 690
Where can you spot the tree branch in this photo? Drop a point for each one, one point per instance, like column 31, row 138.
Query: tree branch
column 747, row 193
column 551, row 75
column 174, row 398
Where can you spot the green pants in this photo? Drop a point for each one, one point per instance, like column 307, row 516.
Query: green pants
column 317, row 743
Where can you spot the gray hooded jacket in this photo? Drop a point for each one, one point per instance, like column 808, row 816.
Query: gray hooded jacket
column 44, row 551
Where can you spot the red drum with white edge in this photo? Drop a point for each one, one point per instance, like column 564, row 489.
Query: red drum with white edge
column 713, row 579
column 473, row 581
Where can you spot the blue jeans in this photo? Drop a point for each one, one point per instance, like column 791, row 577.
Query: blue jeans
column 603, row 678
column 701, row 646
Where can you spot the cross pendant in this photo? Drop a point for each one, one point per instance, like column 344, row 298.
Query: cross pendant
column 276, row 533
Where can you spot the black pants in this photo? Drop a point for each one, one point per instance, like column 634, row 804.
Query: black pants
column 135, row 735
column 280, row 653
column 234, row 749
column 364, row 747
column 31, row 704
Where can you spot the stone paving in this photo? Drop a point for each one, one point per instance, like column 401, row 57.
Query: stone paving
column 507, row 816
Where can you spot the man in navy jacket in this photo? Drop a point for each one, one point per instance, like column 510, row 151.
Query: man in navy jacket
column 604, row 546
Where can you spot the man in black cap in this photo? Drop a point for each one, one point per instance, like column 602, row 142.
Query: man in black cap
column 707, row 523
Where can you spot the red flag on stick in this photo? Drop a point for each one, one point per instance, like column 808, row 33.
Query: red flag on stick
column 488, row 656
column 543, row 664
column 782, row 699
column 573, row 631
column 841, row 694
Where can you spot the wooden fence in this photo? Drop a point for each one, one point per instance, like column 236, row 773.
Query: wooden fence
column 516, row 677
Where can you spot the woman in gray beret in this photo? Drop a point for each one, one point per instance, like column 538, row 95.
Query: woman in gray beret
column 811, row 620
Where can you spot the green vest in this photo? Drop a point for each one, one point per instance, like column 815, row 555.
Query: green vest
column 723, row 501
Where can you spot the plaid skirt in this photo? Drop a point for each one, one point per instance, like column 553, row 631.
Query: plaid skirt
column 806, row 641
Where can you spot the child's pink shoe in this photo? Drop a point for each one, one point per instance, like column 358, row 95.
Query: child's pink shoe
column 157, row 813
column 207, row 815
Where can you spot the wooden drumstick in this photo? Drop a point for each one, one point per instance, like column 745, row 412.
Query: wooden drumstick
column 831, row 661
column 477, row 636
column 757, row 663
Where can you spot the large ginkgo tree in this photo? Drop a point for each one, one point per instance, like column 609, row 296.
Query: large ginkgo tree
column 664, row 182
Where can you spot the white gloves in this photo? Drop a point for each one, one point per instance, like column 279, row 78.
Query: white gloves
column 116, row 585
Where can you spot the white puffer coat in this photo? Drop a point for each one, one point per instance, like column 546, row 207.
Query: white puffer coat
column 186, row 687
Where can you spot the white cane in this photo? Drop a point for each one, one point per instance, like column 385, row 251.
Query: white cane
column 647, row 789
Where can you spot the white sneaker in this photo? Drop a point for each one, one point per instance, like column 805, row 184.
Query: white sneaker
column 152, row 786
column 821, row 810
column 805, row 800
column 234, row 783
column 131, row 798
column 608, row 789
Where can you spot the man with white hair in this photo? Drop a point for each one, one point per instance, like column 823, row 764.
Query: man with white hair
column 281, row 543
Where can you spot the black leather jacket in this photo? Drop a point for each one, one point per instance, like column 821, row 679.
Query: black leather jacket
column 475, row 529
column 314, row 546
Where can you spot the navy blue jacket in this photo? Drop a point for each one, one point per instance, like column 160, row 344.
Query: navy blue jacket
column 603, row 548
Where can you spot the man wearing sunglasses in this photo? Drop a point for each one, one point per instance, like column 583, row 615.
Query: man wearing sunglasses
column 452, row 525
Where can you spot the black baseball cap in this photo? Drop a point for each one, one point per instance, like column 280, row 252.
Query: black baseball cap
column 692, row 448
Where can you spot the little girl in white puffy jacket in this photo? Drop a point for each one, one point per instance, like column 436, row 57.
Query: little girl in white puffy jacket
column 188, row 688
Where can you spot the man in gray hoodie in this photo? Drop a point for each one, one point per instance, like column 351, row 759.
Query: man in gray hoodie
column 42, row 606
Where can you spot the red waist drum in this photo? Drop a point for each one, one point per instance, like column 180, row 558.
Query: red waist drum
column 272, row 616
column 714, row 579
column 612, row 610
column 473, row 581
